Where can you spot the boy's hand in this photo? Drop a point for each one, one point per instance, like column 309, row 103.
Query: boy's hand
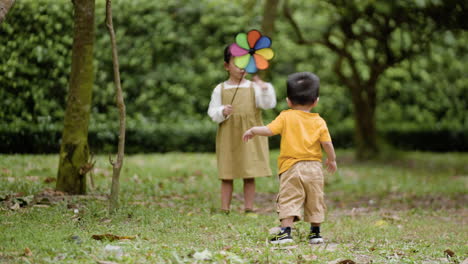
column 331, row 166
column 248, row 135
column 227, row 110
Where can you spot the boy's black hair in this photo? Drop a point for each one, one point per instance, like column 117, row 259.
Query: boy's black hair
column 303, row 88
column 227, row 54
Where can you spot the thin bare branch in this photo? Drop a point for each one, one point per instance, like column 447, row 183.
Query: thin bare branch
column 117, row 166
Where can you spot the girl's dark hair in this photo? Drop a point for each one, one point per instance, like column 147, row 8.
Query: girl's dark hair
column 303, row 88
column 227, row 54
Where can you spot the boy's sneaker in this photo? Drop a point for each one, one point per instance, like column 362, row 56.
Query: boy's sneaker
column 284, row 236
column 315, row 238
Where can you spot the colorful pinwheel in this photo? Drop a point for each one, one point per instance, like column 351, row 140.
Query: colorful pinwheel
column 252, row 51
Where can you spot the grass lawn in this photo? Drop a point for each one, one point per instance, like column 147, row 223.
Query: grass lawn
column 407, row 208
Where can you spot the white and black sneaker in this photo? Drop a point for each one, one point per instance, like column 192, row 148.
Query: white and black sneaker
column 315, row 238
column 284, row 236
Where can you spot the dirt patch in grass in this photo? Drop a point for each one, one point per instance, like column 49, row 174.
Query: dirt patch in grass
column 412, row 161
column 399, row 201
column 265, row 202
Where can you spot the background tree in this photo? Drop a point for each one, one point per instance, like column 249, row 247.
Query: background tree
column 74, row 149
column 270, row 11
column 367, row 38
column 5, row 6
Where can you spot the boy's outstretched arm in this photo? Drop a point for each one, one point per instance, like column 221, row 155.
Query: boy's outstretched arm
column 331, row 157
column 256, row 131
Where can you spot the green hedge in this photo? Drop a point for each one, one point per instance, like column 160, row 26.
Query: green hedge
column 433, row 140
column 200, row 137
column 195, row 137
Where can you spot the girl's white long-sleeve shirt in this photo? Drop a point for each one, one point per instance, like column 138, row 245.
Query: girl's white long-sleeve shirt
column 264, row 99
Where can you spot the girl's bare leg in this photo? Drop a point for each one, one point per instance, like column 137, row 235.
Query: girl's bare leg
column 226, row 194
column 249, row 194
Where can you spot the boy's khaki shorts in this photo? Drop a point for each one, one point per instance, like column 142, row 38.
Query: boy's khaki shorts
column 302, row 186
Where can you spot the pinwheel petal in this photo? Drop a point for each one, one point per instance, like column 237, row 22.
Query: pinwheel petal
column 241, row 40
column 251, row 68
column 266, row 53
column 253, row 36
column 263, row 42
column 260, row 62
column 242, row 61
column 237, row 51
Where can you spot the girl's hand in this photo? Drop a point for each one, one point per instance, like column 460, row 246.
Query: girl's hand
column 331, row 166
column 227, row 110
column 256, row 79
column 248, row 135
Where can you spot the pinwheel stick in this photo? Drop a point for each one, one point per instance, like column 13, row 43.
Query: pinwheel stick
column 235, row 92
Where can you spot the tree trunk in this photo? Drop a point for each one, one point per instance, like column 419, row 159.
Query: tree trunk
column 5, row 6
column 116, row 166
column 365, row 125
column 74, row 150
column 269, row 16
column 270, row 10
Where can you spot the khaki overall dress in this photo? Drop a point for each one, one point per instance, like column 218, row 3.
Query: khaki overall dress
column 237, row 159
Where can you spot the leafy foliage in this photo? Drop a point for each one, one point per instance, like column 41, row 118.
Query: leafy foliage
column 367, row 38
column 171, row 59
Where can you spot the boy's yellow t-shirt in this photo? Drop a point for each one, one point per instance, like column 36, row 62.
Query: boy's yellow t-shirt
column 301, row 134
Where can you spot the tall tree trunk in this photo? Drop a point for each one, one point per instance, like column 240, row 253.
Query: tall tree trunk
column 270, row 10
column 74, row 150
column 365, row 125
column 5, row 6
column 116, row 166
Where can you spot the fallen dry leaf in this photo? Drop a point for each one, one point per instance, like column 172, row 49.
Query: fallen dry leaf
column 204, row 255
column 106, row 262
column 51, row 192
column 106, row 220
column 310, row 258
column 111, row 237
column 73, row 206
column 32, row 178
column 15, row 207
column 449, row 253
column 49, row 180
column 197, row 173
column 392, row 218
column 28, row 252
column 227, row 248
column 49, row 196
column 347, row 261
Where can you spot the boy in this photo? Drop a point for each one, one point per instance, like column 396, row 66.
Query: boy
column 299, row 163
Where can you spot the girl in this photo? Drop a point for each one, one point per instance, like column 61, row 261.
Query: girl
column 235, row 105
